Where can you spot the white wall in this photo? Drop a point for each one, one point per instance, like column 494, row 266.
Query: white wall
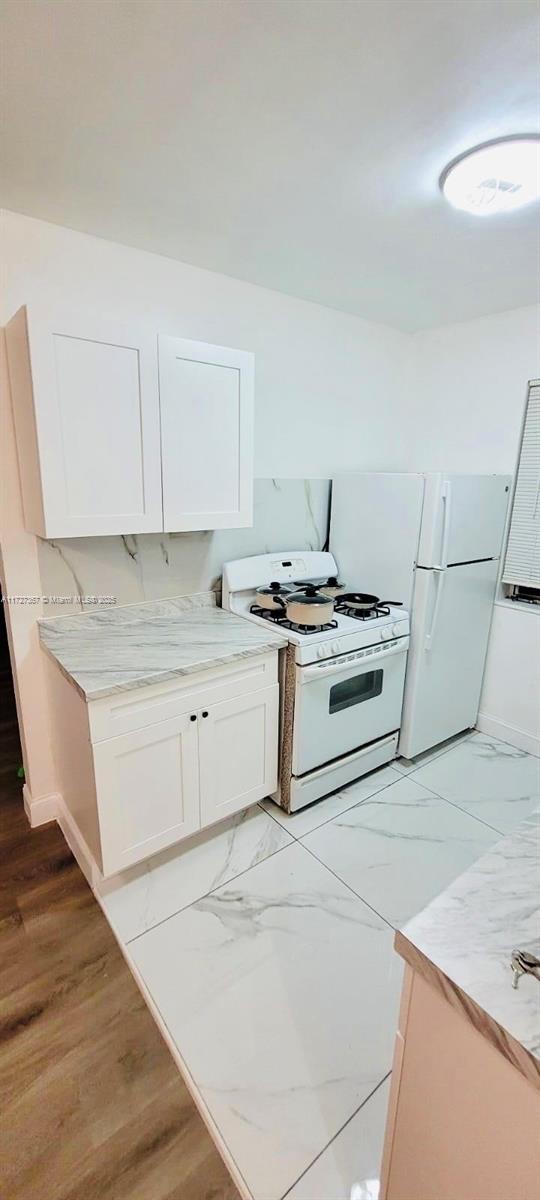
column 471, row 386
column 329, row 386
column 466, row 416
column 510, row 703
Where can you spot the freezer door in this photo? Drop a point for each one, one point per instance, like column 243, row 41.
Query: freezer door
column 374, row 531
column 463, row 518
column 450, row 629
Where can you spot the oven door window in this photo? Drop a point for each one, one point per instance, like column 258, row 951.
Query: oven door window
column 355, row 690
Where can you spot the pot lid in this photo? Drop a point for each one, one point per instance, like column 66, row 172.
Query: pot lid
column 309, row 595
column 274, row 589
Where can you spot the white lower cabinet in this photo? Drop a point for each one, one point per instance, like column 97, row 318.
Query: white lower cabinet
column 238, row 742
column 147, row 788
column 140, row 780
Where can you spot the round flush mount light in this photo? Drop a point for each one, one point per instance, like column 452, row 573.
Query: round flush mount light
column 496, row 177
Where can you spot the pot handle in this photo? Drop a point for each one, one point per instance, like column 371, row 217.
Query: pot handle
column 280, row 602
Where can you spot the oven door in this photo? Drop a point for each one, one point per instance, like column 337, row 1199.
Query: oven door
column 342, row 704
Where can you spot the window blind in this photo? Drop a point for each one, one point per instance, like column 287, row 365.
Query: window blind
column 522, row 560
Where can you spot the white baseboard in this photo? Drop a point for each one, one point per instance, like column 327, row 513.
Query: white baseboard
column 40, row 809
column 77, row 845
column 508, row 733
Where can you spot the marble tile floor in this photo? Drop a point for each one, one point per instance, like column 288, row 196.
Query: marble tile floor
column 267, row 947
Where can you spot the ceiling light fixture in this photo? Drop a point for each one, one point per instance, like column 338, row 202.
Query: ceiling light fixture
column 496, row 177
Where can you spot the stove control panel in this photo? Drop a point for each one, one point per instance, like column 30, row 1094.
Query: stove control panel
column 361, row 638
column 345, row 660
column 387, row 634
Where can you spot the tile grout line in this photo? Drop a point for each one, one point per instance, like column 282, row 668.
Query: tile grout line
column 356, row 895
column 224, row 883
column 466, row 813
column 394, row 928
column 336, row 1135
column 298, row 837
column 445, row 800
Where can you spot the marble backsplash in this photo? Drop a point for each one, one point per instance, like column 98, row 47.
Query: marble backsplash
column 289, row 514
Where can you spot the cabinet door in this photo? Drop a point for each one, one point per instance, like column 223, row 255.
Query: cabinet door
column 147, row 785
column 86, row 402
column 238, row 753
column 206, row 397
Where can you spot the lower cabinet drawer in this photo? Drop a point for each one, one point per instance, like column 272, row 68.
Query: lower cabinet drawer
column 147, row 785
column 138, row 708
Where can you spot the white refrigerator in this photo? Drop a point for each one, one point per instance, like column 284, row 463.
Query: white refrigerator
column 433, row 542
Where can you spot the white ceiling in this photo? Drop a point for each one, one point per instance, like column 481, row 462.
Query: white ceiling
column 293, row 143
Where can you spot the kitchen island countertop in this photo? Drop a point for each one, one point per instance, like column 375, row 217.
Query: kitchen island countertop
column 463, row 941
column 116, row 649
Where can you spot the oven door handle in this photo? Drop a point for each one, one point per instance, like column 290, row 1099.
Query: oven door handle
column 324, row 670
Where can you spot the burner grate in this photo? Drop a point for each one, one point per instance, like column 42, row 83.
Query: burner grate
column 277, row 618
column 378, row 610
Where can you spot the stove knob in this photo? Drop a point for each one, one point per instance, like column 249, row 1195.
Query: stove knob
column 396, row 630
column 320, row 652
column 386, row 633
column 335, row 647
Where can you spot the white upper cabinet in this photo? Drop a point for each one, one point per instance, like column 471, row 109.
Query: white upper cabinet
column 206, row 397
column 86, row 409
column 89, row 402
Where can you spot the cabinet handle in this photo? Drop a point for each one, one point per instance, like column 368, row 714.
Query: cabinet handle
column 193, row 717
column 205, row 714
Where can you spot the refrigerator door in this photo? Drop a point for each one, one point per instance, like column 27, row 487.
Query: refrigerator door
column 463, row 518
column 374, row 531
column 450, row 629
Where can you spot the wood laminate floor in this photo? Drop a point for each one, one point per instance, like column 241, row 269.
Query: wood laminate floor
column 93, row 1107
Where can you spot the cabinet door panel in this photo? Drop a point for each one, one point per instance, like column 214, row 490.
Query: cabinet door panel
column 238, row 744
column 95, row 395
column 148, row 791
column 206, row 397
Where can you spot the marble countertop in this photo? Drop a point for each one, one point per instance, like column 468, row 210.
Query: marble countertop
column 462, row 944
column 132, row 646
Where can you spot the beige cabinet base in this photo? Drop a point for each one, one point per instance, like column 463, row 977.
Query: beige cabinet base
column 462, row 1123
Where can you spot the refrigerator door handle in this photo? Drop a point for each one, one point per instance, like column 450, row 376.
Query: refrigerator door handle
column 446, row 497
column 439, row 583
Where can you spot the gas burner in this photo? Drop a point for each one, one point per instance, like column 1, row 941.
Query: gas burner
column 277, row 618
column 378, row 610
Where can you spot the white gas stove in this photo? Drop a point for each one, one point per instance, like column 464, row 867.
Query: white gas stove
column 342, row 687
